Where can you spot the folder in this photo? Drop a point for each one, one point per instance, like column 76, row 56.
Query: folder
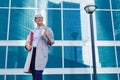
column 31, row 38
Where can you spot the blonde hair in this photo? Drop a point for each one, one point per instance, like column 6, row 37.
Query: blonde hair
column 43, row 25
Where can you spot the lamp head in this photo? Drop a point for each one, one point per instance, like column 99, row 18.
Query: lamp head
column 90, row 8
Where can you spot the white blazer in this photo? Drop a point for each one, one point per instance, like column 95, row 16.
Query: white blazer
column 42, row 51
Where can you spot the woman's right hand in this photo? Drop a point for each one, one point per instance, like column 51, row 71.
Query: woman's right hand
column 29, row 47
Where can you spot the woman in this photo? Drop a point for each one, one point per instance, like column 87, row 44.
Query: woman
column 37, row 44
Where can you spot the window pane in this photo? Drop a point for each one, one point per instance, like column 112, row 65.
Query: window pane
column 16, row 57
column 52, row 77
column 54, row 4
column 23, row 77
column 115, row 4
column 71, row 5
column 73, row 57
column 72, row 25
column 49, row 3
column 116, row 19
column 2, row 56
column 54, row 21
column 118, row 55
column 104, row 30
column 21, row 24
column 102, row 4
column 107, row 56
column 1, row 77
column 3, row 23
column 4, row 3
column 18, row 77
column 23, row 3
column 55, row 57
column 77, row 77
column 107, row 77
column 10, row 77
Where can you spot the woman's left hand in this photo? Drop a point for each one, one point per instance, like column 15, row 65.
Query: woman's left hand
column 45, row 33
column 48, row 42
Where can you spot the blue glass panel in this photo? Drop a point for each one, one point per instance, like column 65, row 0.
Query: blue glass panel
column 24, row 77
column 4, row 3
column 54, row 21
column 118, row 55
column 119, row 76
column 107, row 56
column 10, row 77
column 71, row 5
column 52, row 77
column 73, row 57
column 77, row 77
column 16, row 57
column 115, row 4
column 42, row 3
column 104, row 30
column 29, row 77
column 53, row 4
column 107, row 77
column 23, row 3
column 102, row 4
column 55, row 57
column 72, row 25
column 116, row 19
column 1, row 77
column 2, row 56
column 21, row 24
column 3, row 23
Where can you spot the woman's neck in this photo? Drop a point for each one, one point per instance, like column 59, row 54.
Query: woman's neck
column 39, row 25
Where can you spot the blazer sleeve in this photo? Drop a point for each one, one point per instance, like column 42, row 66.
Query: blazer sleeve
column 50, row 38
column 27, row 41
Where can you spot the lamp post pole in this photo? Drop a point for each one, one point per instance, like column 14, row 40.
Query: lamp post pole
column 90, row 9
column 93, row 47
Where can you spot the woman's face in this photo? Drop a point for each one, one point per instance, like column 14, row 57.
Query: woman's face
column 39, row 19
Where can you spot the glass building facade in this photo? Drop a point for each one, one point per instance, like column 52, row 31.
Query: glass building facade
column 70, row 57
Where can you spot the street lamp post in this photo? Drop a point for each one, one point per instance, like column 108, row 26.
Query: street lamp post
column 90, row 9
